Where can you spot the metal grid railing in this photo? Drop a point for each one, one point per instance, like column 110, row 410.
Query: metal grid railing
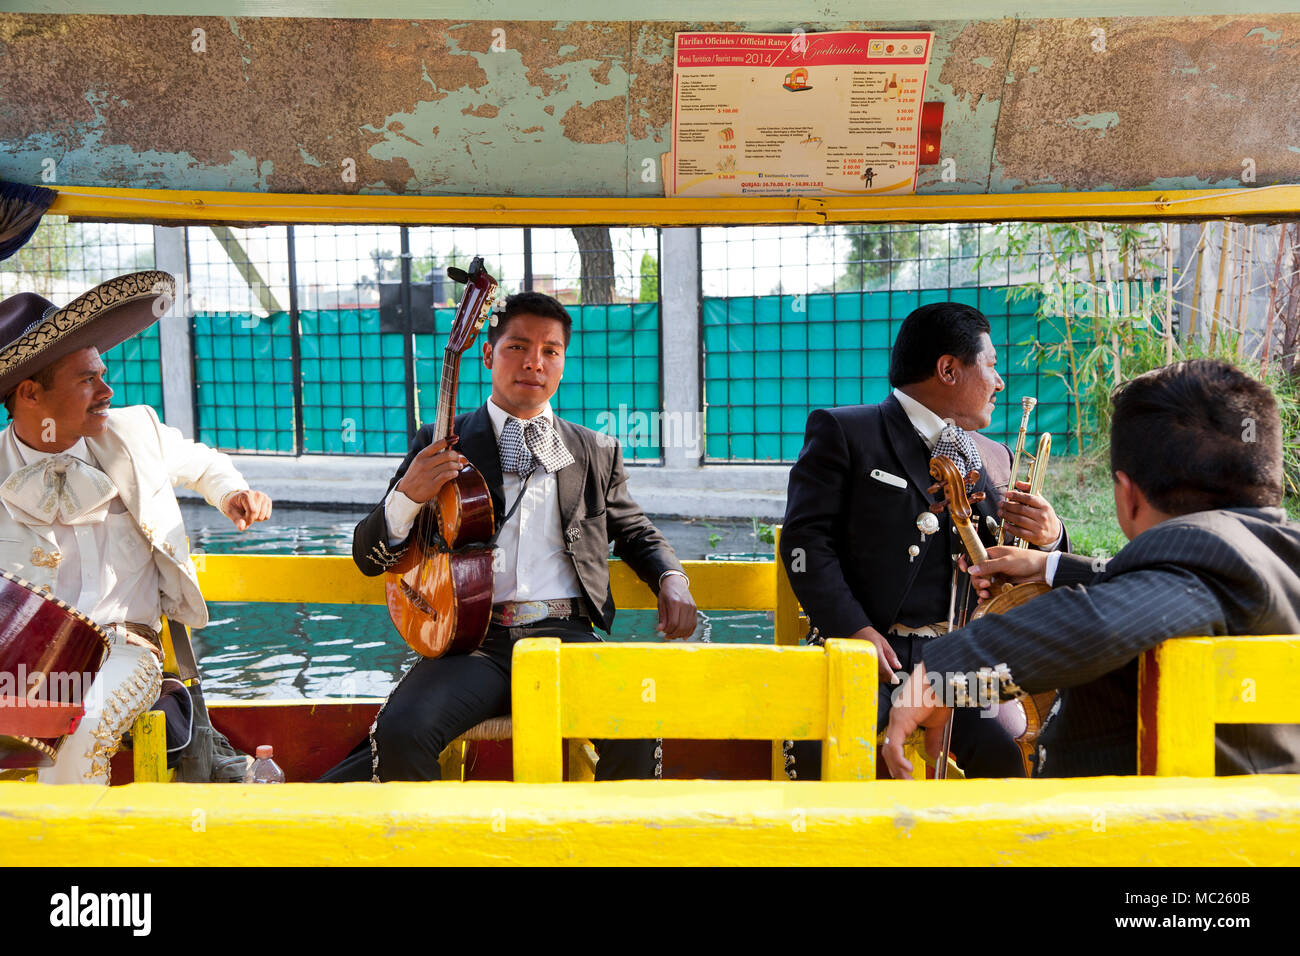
column 799, row 318
column 66, row 259
column 359, row 316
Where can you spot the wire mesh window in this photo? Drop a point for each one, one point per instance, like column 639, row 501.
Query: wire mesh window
column 244, row 338
column 363, row 314
column 799, row 318
column 353, row 359
column 66, row 259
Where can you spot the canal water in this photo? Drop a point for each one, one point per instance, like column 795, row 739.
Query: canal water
column 259, row 651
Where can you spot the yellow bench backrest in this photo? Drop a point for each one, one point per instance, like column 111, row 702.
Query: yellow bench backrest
column 334, row 579
column 694, row 691
column 1188, row 685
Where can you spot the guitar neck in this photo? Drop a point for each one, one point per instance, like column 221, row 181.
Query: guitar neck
column 447, row 394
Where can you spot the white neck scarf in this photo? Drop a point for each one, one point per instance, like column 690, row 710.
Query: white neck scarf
column 58, row 488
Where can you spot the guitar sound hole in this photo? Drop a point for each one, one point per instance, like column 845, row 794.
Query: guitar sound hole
column 420, row 603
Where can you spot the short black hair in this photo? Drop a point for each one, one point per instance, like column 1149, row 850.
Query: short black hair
column 1198, row 435
column 940, row 328
column 531, row 303
column 44, row 378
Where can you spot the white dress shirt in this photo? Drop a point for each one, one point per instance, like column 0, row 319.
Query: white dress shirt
column 531, row 563
column 929, row 426
column 105, row 568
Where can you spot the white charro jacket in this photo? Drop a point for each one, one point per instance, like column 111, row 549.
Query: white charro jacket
column 146, row 460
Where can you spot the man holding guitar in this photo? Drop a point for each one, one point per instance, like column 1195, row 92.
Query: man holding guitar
column 1196, row 458
column 858, row 561
column 562, row 492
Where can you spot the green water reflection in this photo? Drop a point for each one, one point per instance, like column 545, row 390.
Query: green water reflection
column 252, row 651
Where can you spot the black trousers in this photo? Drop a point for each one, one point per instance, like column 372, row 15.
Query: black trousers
column 439, row 699
column 980, row 745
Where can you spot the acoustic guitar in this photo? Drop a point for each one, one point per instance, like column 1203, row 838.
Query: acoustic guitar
column 49, row 656
column 439, row 594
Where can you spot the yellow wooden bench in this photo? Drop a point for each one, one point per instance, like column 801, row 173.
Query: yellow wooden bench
column 333, row 579
column 694, row 691
column 1187, row 685
column 149, row 731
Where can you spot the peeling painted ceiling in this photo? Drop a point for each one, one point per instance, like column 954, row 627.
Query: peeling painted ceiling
column 442, row 107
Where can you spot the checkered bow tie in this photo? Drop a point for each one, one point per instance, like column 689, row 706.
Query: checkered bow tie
column 957, row 445
column 525, row 444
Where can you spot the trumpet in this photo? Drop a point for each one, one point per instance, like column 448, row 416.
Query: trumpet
column 1037, row 463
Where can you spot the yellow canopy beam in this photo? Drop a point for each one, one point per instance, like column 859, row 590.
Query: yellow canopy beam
column 234, row 208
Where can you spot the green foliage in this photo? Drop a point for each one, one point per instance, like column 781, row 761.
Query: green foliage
column 1100, row 290
column 1101, row 312
column 649, row 278
column 715, row 539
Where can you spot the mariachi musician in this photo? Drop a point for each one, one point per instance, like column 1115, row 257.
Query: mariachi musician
column 89, row 515
column 1210, row 551
column 565, row 492
column 856, row 554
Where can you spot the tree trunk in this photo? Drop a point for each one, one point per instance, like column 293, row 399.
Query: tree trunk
column 596, row 252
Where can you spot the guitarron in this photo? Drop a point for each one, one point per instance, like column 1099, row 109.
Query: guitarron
column 49, row 655
column 439, row 594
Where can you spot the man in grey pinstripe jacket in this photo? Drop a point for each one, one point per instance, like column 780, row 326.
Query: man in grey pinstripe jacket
column 1196, row 455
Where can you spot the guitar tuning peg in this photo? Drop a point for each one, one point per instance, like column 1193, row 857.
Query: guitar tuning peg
column 938, row 507
column 933, row 489
column 976, row 497
column 972, row 477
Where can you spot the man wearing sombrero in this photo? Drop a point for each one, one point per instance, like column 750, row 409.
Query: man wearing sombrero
column 88, row 512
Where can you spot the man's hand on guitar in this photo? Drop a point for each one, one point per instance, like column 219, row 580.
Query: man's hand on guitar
column 1017, row 565
column 1030, row 517
column 676, row 608
column 886, row 659
column 432, row 468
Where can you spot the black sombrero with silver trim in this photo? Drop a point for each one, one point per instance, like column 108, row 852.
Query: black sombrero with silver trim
column 35, row 333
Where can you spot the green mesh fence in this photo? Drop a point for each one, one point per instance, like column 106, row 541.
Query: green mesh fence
column 770, row 360
column 135, row 371
column 243, row 381
column 354, row 386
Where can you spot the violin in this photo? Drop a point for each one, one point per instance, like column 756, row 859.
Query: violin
column 439, row 594
column 1022, row 719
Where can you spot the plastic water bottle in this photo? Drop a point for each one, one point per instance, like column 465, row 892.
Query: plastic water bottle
column 264, row 769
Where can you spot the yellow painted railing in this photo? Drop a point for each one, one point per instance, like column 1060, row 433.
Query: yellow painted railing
column 1098, row 821
column 1188, row 685
column 334, row 579
column 311, row 579
column 194, row 206
column 693, row 691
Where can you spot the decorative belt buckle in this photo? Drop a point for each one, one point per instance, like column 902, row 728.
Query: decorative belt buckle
column 519, row 613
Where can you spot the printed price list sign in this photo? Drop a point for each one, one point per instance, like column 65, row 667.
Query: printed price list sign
column 796, row 114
